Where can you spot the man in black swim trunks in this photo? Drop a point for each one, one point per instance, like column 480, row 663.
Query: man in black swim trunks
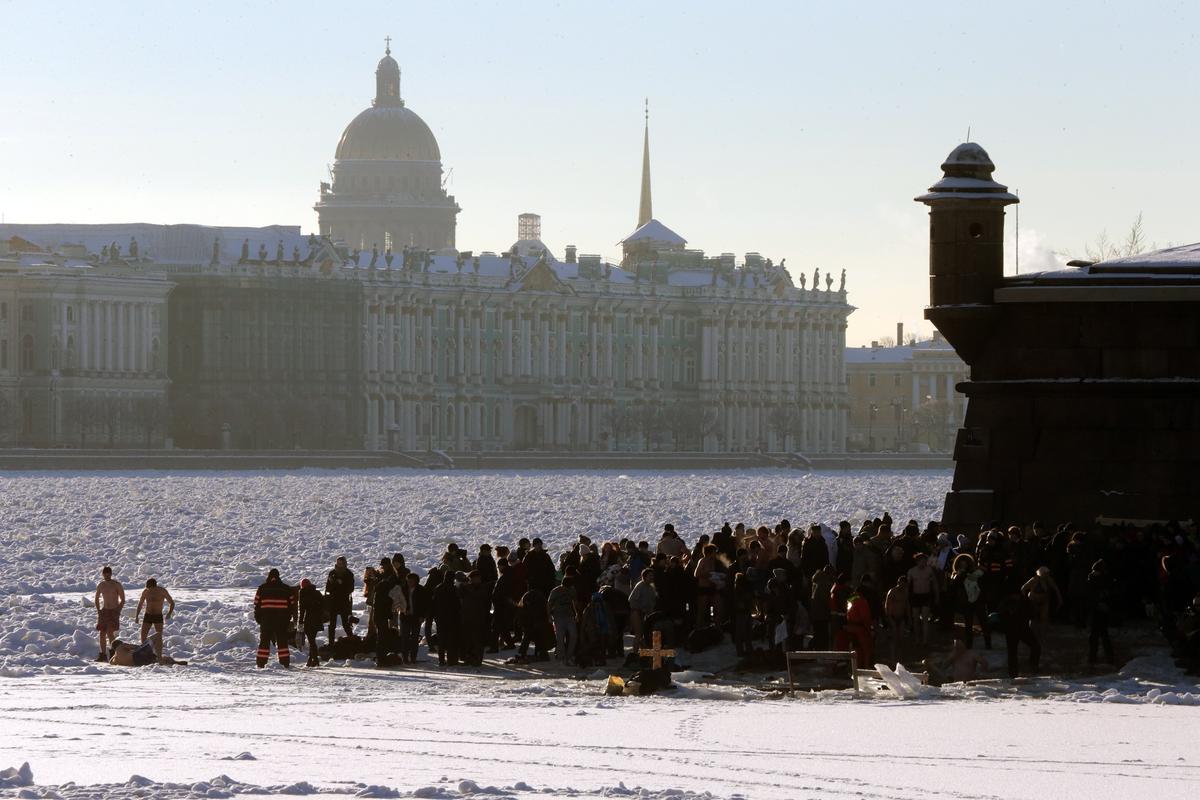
column 152, row 599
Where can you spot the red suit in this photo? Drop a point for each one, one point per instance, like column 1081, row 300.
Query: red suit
column 858, row 634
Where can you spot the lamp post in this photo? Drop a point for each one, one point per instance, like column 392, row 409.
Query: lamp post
column 874, row 409
column 899, row 411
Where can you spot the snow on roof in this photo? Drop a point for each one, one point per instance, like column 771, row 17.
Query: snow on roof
column 893, row 355
column 165, row 244
column 490, row 266
column 531, row 247
column 1184, row 255
column 655, row 231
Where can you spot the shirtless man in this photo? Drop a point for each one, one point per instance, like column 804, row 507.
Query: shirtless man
column 965, row 663
column 153, row 597
column 109, row 600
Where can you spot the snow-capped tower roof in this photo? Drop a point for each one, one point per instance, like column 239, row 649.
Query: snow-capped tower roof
column 967, row 175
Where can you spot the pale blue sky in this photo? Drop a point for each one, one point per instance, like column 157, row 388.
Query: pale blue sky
column 795, row 130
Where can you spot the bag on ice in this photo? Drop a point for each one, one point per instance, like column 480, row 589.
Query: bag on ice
column 144, row 655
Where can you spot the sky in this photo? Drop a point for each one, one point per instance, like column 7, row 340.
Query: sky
column 796, row 130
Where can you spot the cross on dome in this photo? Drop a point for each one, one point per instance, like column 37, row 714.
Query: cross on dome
column 387, row 45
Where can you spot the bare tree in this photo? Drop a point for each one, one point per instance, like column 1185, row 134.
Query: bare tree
column 931, row 423
column 8, row 417
column 689, row 422
column 783, row 420
column 151, row 415
column 622, row 421
column 1133, row 243
column 652, row 423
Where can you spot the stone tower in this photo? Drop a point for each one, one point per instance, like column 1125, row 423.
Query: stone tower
column 1084, row 390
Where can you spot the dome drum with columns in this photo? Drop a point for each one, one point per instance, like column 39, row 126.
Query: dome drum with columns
column 387, row 177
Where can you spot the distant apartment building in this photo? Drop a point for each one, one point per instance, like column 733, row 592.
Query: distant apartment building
column 903, row 397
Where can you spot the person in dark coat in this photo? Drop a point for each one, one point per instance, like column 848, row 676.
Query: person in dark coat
column 313, row 610
column 383, row 610
column 339, row 591
column 432, row 581
column 540, row 570
column 474, row 600
column 486, row 565
column 447, row 612
column 1016, row 618
column 533, row 614
column 1101, row 592
column 412, row 618
column 814, row 553
column 504, row 608
column 616, row 605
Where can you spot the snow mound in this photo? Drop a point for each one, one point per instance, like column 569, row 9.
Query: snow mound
column 15, row 777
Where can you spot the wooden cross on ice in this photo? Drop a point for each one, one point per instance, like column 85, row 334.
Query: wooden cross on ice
column 656, row 651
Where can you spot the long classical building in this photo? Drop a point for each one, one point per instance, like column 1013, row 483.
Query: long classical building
column 82, row 355
column 377, row 333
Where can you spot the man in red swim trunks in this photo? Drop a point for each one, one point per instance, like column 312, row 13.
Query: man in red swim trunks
column 110, row 599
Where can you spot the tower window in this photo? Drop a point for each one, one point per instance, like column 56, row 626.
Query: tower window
column 975, row 231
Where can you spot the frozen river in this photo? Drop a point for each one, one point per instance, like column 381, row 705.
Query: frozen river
column 418, row 732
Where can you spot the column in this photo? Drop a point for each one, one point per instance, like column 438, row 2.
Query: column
column 389, row 337
column 916, row 389
column 526, row 344
column 427, row 354
column 460, row 344
column 654, row 375
column 506, row 327
column 638, row 374
column 85, row 338
column 609, row 322
column 544, row 356
column 593, row 325
column 477, row 328
column 563, row 320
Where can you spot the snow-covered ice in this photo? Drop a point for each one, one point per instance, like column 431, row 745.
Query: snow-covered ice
column 220, row 728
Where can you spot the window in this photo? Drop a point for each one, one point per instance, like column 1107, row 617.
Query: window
column 27, row 353
column 896, row 380
column 871, row 379
column 27, row 313
column 70, row 313
column 689, row 371
column 3, row 310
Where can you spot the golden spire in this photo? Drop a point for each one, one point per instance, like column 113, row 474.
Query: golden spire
column 645, row 211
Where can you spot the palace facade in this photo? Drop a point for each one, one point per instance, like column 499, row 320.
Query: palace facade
column 377, row 333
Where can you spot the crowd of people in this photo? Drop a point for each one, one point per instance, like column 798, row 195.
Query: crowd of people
column 881, row 590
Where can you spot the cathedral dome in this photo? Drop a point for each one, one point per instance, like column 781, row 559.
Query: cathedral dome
column 388, row 132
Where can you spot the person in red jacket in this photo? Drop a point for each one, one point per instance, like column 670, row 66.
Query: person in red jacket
column 859, row 630
column 274, row 611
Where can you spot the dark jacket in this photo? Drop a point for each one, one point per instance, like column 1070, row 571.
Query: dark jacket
column 381, row 599
column 274, row 603
column 814, row 554
column 418, row 602
column 339, row 586
column 446, row 605
column 313, row 608
column 540, row 568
